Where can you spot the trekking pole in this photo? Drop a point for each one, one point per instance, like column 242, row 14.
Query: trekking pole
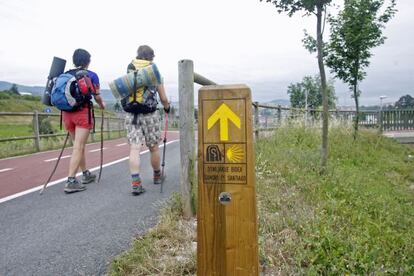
column 57, row 163
column 102, row 126
column 163, row 152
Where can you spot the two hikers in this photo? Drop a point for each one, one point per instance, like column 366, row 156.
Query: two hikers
column 143, row 125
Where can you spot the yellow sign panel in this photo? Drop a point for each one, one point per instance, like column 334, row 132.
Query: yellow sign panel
column 223, row 114
column 224, row 120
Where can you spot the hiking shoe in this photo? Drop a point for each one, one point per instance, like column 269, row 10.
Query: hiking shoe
column 158, row 178
column 137, row 188
column 74, row 186
column 88, row 177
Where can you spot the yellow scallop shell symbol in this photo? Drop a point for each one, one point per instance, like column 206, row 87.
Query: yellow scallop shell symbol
column 235, row 154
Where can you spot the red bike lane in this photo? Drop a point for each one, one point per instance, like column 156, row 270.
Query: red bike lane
column 19, row 174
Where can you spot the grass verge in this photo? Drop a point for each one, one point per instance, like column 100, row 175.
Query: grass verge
column 358, row 218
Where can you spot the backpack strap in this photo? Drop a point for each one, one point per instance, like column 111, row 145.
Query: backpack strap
column 134, row 121
column 61, row 119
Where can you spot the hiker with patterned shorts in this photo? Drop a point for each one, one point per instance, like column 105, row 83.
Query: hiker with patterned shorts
column 79, row 123
column 144, row 128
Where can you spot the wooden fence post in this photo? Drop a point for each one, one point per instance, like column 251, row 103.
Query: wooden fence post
column 187, row 137
column 256, row 120
column 36, row 128
column 279, row 115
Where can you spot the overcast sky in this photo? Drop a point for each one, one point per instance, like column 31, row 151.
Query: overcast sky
column 230, row 41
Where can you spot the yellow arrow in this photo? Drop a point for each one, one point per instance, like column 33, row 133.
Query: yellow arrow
column 223, row 113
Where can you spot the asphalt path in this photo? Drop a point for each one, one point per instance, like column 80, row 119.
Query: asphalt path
column 19, row 175
column 80, row 233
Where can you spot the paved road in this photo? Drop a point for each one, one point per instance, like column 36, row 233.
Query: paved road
column 79, row 234
column 19, row 174
column 402, row 136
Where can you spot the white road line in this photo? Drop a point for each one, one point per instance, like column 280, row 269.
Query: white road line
column 7, row 198
column 95, row 150
column 6, row 169
column 54, row 159
column 120, row 145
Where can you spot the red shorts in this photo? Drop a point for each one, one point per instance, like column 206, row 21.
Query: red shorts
column 80, row 118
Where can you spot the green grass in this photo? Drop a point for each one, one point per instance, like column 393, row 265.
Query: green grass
column 163, row 251
column 15, row 130
column 357, row 219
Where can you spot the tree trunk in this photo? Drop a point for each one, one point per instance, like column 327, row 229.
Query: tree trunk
column 356, row 121
column 325, row 113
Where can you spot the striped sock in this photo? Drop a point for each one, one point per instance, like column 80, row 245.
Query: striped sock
column 135, row 177
column 136, row 180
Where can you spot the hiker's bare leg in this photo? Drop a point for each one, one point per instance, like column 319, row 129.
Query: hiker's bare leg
column 78, row 153
column 155, row 157
column 134, row 158
column 82, row 164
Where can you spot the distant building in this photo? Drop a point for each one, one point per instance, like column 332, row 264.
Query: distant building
column 25, row 93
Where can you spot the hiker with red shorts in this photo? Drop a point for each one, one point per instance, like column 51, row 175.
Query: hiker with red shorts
column 144, row 127
column 79, row 123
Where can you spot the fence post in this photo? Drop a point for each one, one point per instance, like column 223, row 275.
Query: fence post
column 381, row 127
column 187, row 137
column 36, row 128
column 256, row 120
column 279, row 115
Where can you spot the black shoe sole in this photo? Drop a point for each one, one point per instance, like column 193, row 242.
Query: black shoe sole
column 138, row 192
column 74, row 191
column 88, row 182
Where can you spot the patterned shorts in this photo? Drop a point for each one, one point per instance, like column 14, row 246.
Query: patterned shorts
column 147, row 129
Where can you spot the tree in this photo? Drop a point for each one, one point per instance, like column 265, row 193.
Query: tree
column 307, row 93
column 14, row 89
column 317, row 8
column 354, row 32
column 405, row 102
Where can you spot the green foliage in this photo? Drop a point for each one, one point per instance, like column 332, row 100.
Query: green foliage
column 10, row 102
column 45, row 125
column 14, row 89
column 357, row 219
column 354, row 32
column 310, row 86
column 293, row 6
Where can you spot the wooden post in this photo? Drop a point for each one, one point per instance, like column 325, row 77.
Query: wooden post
column 187, row 137
column 36, row 128
column 256, row 120
column 279, row 115
column 226, row 214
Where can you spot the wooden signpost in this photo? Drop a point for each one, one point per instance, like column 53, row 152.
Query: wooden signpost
column 226, row 216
